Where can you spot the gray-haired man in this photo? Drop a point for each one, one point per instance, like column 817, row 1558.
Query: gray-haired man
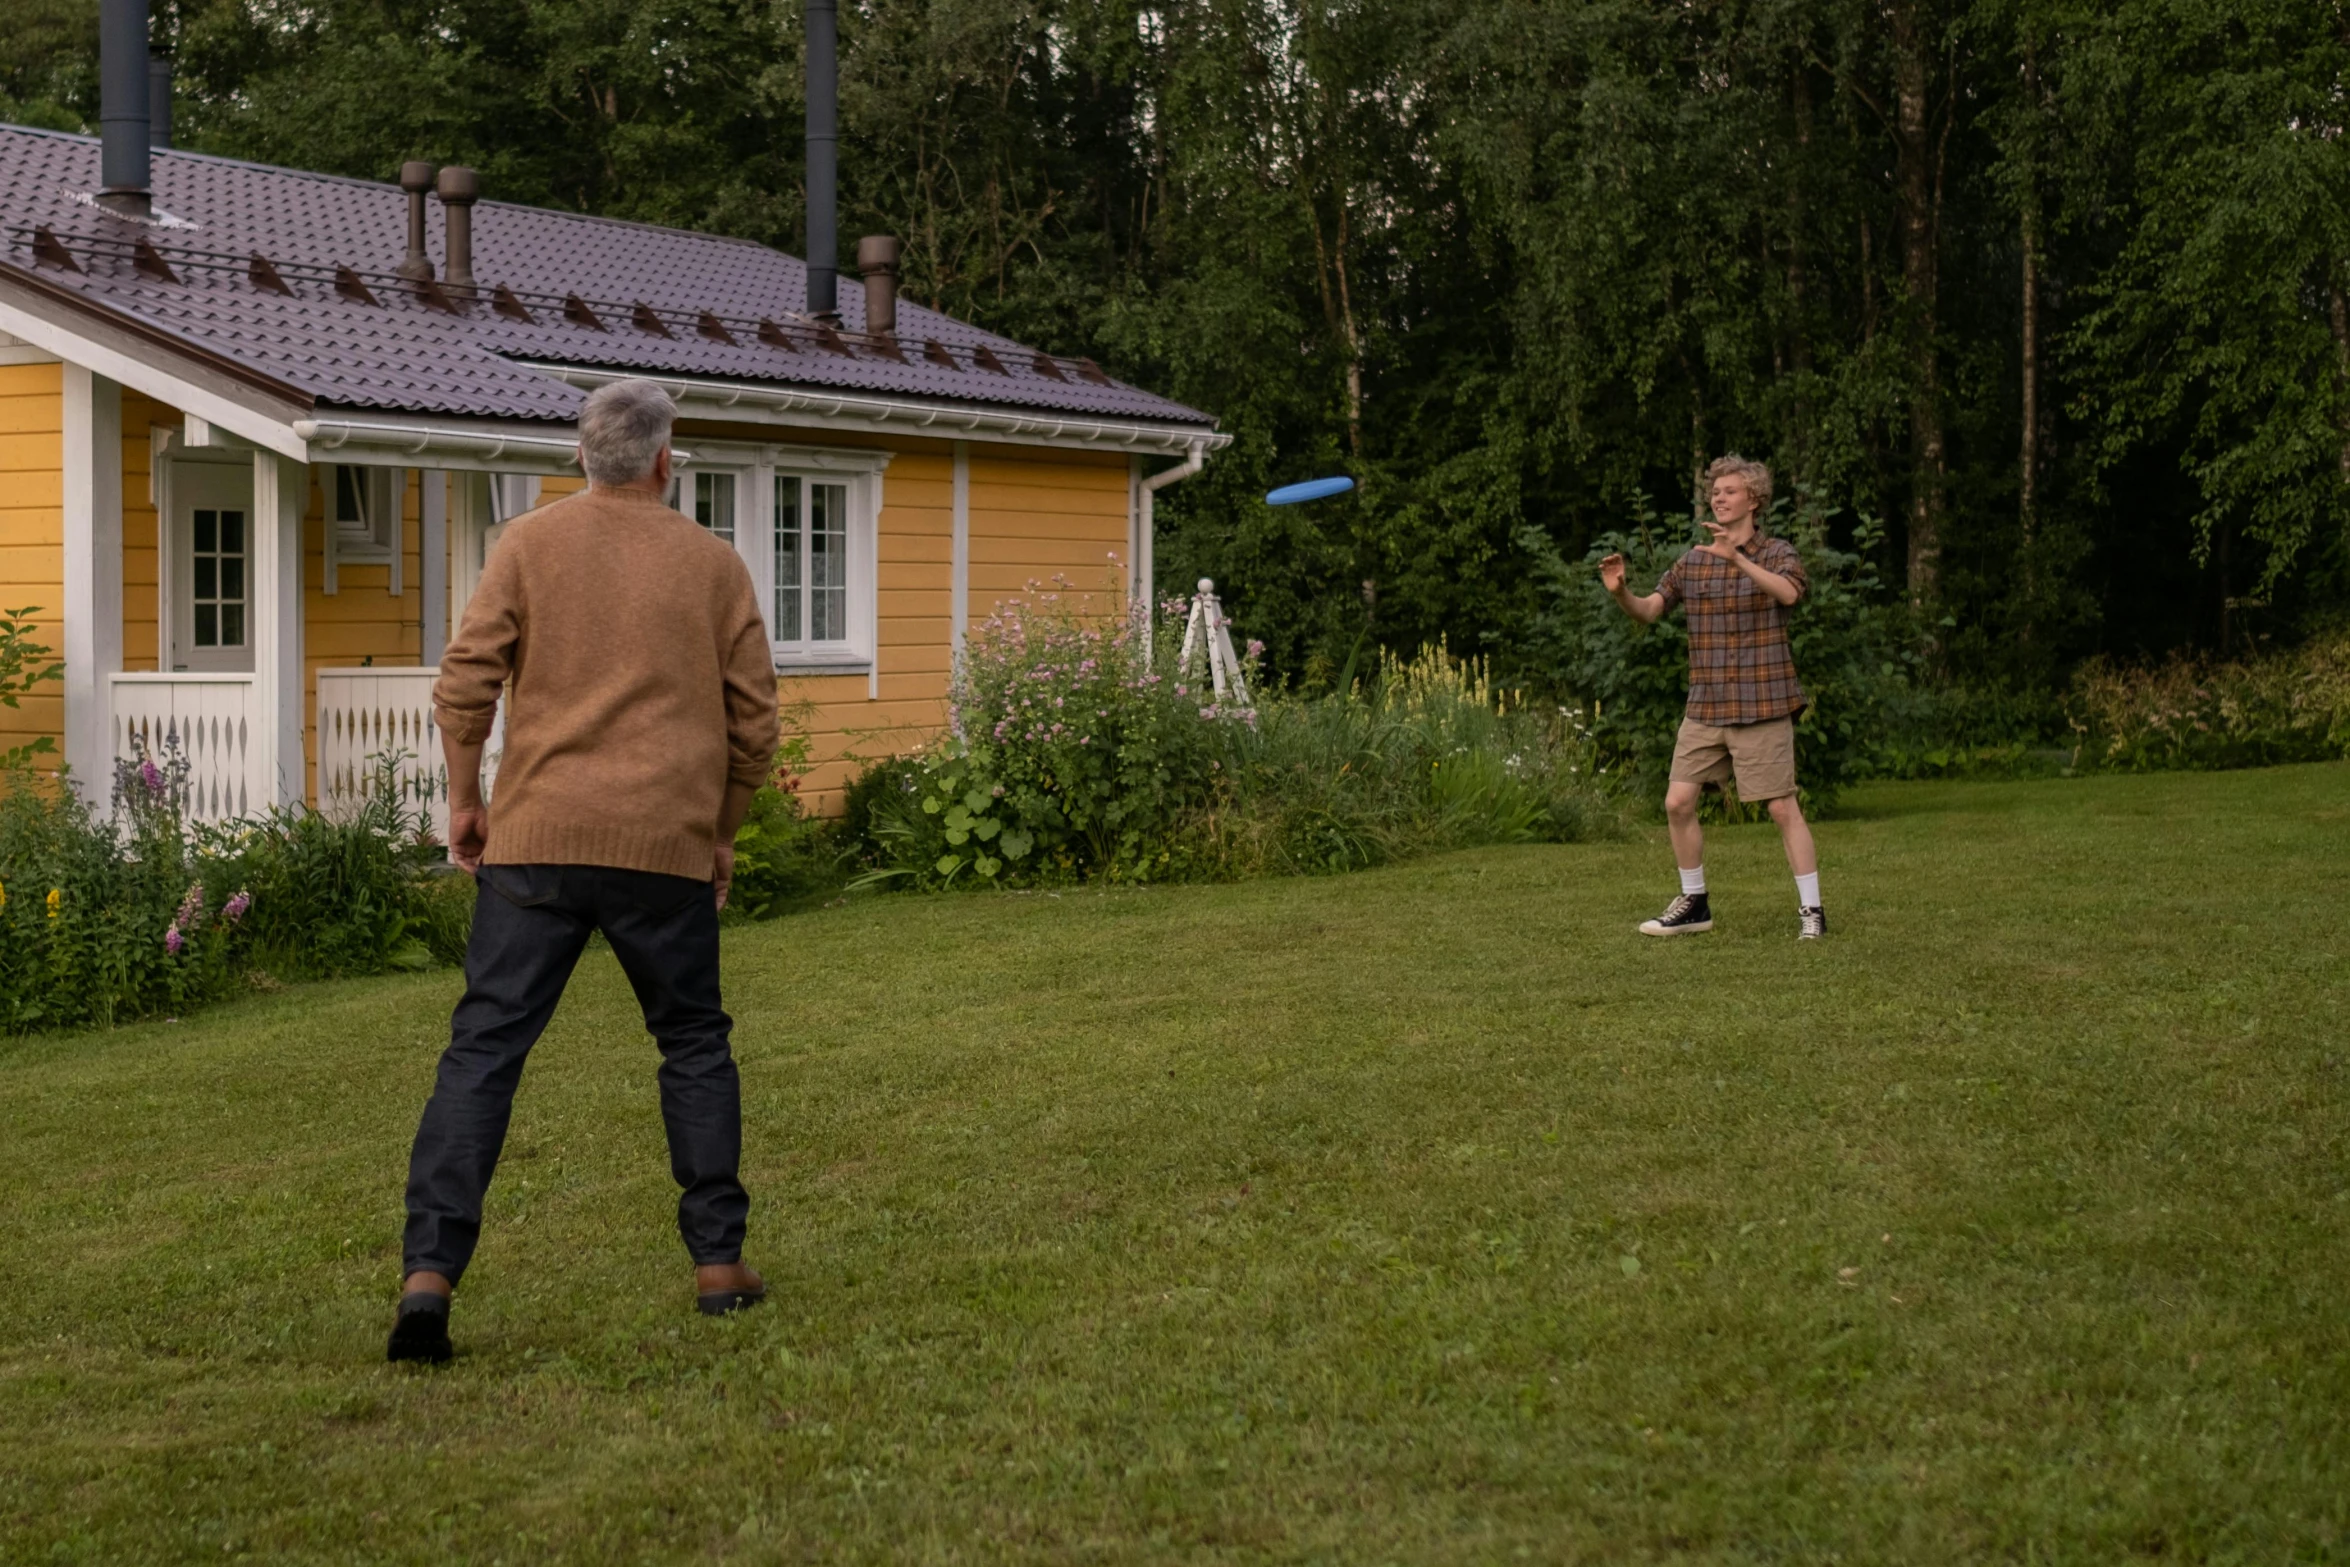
column 641, row 717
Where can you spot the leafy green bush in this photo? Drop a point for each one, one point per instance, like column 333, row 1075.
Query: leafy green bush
column 1085, row 753
column 781, row 852
column 24, row 664
column 1077, row 746
column 1424, row 755
column 332, row 897
column 106, row 915
column 1856, row 650
column 2290, row 706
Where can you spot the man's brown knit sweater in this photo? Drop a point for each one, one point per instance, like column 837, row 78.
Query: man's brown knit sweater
column 642, row 711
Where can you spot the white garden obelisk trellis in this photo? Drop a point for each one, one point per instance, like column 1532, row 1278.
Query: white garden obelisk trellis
column 1209, row 629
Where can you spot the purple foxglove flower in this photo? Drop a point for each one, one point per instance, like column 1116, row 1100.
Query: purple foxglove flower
column 236, row 907
column 173, row 941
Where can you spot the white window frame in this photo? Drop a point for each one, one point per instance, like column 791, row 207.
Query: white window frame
column 373, row 535
column 756, row 468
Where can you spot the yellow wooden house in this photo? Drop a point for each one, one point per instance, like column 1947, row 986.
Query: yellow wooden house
column 259, row 428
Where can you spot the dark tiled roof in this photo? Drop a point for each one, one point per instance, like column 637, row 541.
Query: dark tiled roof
column 350, row 334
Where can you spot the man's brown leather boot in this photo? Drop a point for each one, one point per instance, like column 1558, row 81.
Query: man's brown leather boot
column 721, row 1287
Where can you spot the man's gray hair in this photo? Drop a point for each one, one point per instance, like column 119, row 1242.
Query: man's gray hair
column 622, row 429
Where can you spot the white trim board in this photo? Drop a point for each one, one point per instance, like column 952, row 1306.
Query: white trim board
column 141, row 372
column 751, row 402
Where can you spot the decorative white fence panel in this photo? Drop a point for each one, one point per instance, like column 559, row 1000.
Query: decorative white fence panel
column 207, row 719
column 368, row 715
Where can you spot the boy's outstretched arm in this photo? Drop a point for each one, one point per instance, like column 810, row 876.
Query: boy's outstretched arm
column 1641, row 607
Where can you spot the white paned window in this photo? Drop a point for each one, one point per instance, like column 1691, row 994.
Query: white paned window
column 363, row 502
column 805, row 521
column 216, row 567
column 812, row 563
column 714, row 503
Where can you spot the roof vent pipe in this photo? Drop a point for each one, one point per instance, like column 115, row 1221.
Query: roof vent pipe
column 122, row 108
column 158, row 100
column 877, row 259
column 460, row 187
column 416, row 179
column 823, row 160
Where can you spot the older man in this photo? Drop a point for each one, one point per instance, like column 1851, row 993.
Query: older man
column 640, row 717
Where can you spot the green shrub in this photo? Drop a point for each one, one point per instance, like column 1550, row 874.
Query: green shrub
column 106, row 915
column 2290, row 706
column 1077, row 747
column 1152, row 783
column 1424, row 755
column 782, row 854
column 24, row 664
column 1856, row 651
column 332, row 897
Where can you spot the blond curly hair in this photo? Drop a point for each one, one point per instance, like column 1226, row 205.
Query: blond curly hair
column 1746, row 471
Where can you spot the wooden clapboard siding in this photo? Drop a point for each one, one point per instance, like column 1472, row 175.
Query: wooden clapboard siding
column 141, row 587
column 362, row 621
column 1037, row 516
column 32, row 529
column 855, row 718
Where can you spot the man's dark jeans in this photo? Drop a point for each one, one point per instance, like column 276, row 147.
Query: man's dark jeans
column 530, row 924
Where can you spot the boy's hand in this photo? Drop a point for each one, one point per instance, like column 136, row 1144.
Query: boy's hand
column 1719, row 546
column 1611, row 574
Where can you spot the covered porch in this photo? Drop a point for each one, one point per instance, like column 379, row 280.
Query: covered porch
column 271, row 623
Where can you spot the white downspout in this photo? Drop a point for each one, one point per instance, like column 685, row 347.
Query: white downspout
column 1145, row 556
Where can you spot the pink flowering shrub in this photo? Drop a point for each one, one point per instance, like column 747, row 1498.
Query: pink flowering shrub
column 1078, row 749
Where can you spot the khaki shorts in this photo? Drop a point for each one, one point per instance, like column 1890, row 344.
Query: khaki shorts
column 1762, row 756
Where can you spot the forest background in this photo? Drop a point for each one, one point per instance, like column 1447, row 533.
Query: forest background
column 2052, row 289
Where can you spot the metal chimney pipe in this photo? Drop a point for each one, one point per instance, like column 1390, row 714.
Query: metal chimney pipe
column 877, row 259
column 459, row 187
column 158, row 100
column 416, row 179
column 122, row 108
column 823, row 160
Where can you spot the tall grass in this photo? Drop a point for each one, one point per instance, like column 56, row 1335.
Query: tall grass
column 1425, row 754
column 2290, row 706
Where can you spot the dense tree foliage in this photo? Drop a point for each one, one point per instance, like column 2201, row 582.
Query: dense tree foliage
column 2053, row 288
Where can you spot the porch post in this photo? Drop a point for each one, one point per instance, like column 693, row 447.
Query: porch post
column 432, row 561
column 280, row 487
column 93, row 574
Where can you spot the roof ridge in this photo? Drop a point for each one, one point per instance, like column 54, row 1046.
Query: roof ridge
column 325, row 178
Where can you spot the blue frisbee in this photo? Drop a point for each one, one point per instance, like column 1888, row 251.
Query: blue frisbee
column 1311, row 490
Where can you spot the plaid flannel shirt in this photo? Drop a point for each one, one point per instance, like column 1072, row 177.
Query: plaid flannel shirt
column 1740, row 668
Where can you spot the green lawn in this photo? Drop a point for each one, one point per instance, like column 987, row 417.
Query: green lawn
column 1426, row 1215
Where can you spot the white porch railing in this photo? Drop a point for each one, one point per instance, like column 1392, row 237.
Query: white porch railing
column 211, row 721
column 367, row 714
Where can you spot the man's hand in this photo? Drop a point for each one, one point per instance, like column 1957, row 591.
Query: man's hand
column 1611, row 574
column 469, row 834
column 1719, row 546
column 722, row 872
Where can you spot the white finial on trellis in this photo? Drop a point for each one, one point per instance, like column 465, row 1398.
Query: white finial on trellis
column 1210, row 629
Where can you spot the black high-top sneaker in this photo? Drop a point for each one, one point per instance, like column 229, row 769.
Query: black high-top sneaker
column 1814, row 924
column 1687, row 915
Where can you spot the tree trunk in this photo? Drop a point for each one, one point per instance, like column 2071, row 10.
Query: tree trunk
column 1798, row 306
column 1914, row 160
column 2028, row 460
column 2338, row 310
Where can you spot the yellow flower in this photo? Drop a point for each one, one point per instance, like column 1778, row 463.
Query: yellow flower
column 3, row 895
column 54, row 895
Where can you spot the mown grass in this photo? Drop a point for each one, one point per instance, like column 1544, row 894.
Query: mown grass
column 1425, row 1215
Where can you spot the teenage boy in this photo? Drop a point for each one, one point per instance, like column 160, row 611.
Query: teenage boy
column 1743, row 695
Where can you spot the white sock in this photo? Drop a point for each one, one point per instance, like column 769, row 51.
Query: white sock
column 1693, row 880
column 1807, row 891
